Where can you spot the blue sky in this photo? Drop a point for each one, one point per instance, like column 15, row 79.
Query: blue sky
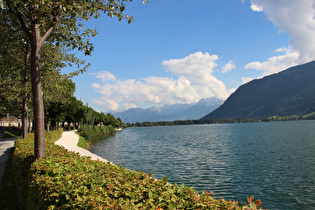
column 179, row 51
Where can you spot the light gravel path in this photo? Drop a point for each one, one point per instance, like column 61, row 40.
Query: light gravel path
column 69, row 140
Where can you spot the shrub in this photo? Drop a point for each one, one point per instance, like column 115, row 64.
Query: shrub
column 64, row 180
column 96, row 131
column 89, row 132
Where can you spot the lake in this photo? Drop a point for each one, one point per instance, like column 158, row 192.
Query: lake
column 273, row 161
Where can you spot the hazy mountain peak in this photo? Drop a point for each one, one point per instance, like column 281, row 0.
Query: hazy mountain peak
column 170, row 112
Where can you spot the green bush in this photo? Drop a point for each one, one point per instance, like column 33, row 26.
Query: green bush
column 89, row 132
column 64, row 180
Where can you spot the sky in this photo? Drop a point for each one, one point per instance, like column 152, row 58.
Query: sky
column 180, row 51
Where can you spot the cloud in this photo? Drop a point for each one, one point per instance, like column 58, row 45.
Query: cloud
column 275, row 63
column 295, row 18
column 105, row 76
column 197, row 67
column 192, row 80
column 228, row 67
column 129, row 105
column 96, row 85
column 111, row 104
column 246, row 79
column 256, row 8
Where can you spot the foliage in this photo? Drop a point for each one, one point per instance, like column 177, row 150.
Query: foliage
column 89, row 132
column 60, row 23
column 15, row 88
column 17, row 176
column 64, row 180
column 192, row 122
column 310, row 116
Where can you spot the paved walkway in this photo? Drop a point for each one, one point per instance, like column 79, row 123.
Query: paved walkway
column 5, row 147
column 69, row 141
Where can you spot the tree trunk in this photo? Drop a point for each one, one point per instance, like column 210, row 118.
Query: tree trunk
column 39, row 133
column 24, row 117
column 29, row 125
column 26, row 96
column 47, row 122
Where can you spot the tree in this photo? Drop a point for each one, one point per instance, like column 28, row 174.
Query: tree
column 38, row 19
column 15, row 88
column 118, row 123
column 74, row 112
column 14, row 65
column 57, row 88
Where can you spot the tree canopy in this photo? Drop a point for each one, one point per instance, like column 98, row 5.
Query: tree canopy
column 59, row 23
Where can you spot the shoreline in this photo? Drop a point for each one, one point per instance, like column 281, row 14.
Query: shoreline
column 69, row 140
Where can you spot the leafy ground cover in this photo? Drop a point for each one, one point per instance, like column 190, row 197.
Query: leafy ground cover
column 64, row 180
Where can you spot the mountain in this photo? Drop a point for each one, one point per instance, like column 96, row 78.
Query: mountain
column 287, row 93
column 169, row 112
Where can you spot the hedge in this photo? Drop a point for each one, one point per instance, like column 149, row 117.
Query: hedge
column 64, row 180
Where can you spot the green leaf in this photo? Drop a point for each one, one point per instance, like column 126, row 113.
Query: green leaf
column 79, row 198
column 151, row 195
column 164, row 180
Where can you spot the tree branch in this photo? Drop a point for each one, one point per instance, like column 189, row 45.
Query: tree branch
column 21, row 21
column 51, row 27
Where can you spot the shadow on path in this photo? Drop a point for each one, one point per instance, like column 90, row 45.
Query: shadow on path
column 6, row 146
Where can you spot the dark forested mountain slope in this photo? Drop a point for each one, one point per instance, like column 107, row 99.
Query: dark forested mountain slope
column 286, row 93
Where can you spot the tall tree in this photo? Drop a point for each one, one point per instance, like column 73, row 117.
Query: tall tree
column 37, row 19
column 14, row 69
column 15, row 88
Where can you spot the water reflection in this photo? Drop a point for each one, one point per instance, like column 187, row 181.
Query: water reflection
column 272, row 161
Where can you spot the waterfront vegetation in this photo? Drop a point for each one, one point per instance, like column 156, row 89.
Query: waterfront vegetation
column 310, row 116
column 64, row 180
column 86, row 133
column 89, row 132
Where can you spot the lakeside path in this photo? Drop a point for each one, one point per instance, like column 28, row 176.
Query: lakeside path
column 69, row 140
column 5, row 147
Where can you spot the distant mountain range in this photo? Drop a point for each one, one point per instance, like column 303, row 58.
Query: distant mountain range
column 287, row 93
column 192, row 111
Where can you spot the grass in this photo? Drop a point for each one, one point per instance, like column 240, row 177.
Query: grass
column 83, row 143
column 9, row 132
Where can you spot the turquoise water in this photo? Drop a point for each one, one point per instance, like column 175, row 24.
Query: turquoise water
column 273, row 161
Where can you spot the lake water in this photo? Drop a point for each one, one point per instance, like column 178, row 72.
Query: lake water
column 273, row 161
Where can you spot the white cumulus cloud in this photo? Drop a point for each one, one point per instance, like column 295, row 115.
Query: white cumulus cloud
column 105, row 76
column 275, row 63
column 295, row 18
column 256, row 8
column 228, row 67
column 192, row 80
